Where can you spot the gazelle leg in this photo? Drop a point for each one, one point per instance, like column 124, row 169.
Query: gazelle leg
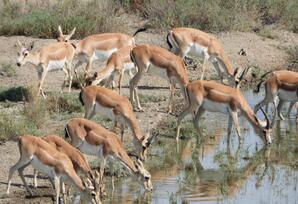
column 279, row 109
column 230, row 125
column 204, row 67
column 196, row 120
column 17, row 166
column 172, row 90
column 234, row 116
column 134, row 89
column 89, row 111
column 120, row 81
column 21, row 170
column 111, row 166
column 292, row 103
column 57, row 187
column 88, row 68
column 35, row 172
column 102, row 168
column 62, row 186
column 181, row 116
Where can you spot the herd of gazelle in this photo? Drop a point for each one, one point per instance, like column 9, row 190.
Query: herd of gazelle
column 55, row 157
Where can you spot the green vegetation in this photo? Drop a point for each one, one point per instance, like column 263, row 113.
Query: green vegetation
column 217, row 15
column 7, row 70
column 42, row 20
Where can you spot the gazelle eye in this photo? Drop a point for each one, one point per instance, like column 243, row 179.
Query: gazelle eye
column 25, row 54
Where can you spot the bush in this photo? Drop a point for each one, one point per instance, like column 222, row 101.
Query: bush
column 88, row 17
column 14, row 94
column 217, row 15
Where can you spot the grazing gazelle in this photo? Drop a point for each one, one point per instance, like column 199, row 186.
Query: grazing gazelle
column 46, row 159
column 93, row 139
column 193, row 42
column 100, row 47
column 118, row 63
column 282, row 85
column 216, row 97
column 54, row 56
column 159, row 61
column 110, row 104
column 79, row 162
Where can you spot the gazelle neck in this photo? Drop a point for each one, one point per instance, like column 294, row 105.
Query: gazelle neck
column 33, row 58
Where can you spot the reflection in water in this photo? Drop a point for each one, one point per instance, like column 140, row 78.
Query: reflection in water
column 214, row 171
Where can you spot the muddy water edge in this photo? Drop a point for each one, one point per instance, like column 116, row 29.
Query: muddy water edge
column 210, row 171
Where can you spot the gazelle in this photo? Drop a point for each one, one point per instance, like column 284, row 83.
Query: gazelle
column 196, row 43
column 159, row 61
column 118, row 108
column 100, row 47
column 65, row 38
column 51, row 57
column 45, row 158
column 93, row 139
column 216, row 97
column 118, row 63
column 282, row 85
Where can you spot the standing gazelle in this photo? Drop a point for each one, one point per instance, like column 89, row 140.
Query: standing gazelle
column 118, row 63
column 46, row 159
column 100, row 47
column 216, row 97
column 159, row 61
column 282, row 85
column 51, row 57
column 193, row 42
column 110, row 104
column 92, row 139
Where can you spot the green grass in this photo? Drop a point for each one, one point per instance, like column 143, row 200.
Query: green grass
column 90, row 17
column 8, row 70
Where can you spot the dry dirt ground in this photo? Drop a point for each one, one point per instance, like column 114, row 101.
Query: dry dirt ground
column 262, row 52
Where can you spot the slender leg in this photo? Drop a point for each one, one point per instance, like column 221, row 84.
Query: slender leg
column 230, row 124
column 170, row 106
column 217, row 68
column 279, row 109
column 120, row 81
column 66, row 77
column 102, row 168
column 234, row 116
column 68, row 66
column 57, row 187
column 181, row 116
column 290, row 108
column 134, row 88
column 17, row 166
column 204, row 67
column 88, row 67
column 62, row 186
column 112, row 174
column 20, row 170
column 196, row 120
column 35, row 172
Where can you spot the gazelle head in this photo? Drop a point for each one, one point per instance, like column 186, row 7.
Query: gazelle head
column 23, row 55
column 145, row 143
column 90, row 194
column 143, row 176
column 239, row 76
column 90, row 80
column 266, row 129
column 64, row 38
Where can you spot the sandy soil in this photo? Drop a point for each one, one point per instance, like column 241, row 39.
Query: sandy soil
column 262, row 52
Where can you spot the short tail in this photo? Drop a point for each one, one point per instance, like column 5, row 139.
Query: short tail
column 66, row 135
column 140, row 30
column 262, row 81
column 81, row 98
column 168, row 41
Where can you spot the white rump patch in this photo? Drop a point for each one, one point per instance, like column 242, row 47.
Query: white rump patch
column 103, row 54
column 197, row 50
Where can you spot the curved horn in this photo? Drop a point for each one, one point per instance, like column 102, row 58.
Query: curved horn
column 267, row 119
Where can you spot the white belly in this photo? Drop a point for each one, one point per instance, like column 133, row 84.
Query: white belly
column 104, row 111
column 57, row 64
column 198, row 51
column 89, row 149
column 103, row 54
column 287, row 95
column 128, row 66
column 158, row 71
column 39, row 166
column 211, row 106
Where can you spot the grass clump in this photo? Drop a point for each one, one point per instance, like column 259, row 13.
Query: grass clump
column 42, row 20
column 217, row 15
column 68, row 102
column 8, row 70
column 14, row 94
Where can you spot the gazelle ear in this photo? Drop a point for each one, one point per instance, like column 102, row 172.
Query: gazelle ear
column 72, row 32
column 31, row 46
column 60, row 30
column 19, row 44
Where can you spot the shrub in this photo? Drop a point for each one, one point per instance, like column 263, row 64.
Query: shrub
column 14, row 94
column 88, row 17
